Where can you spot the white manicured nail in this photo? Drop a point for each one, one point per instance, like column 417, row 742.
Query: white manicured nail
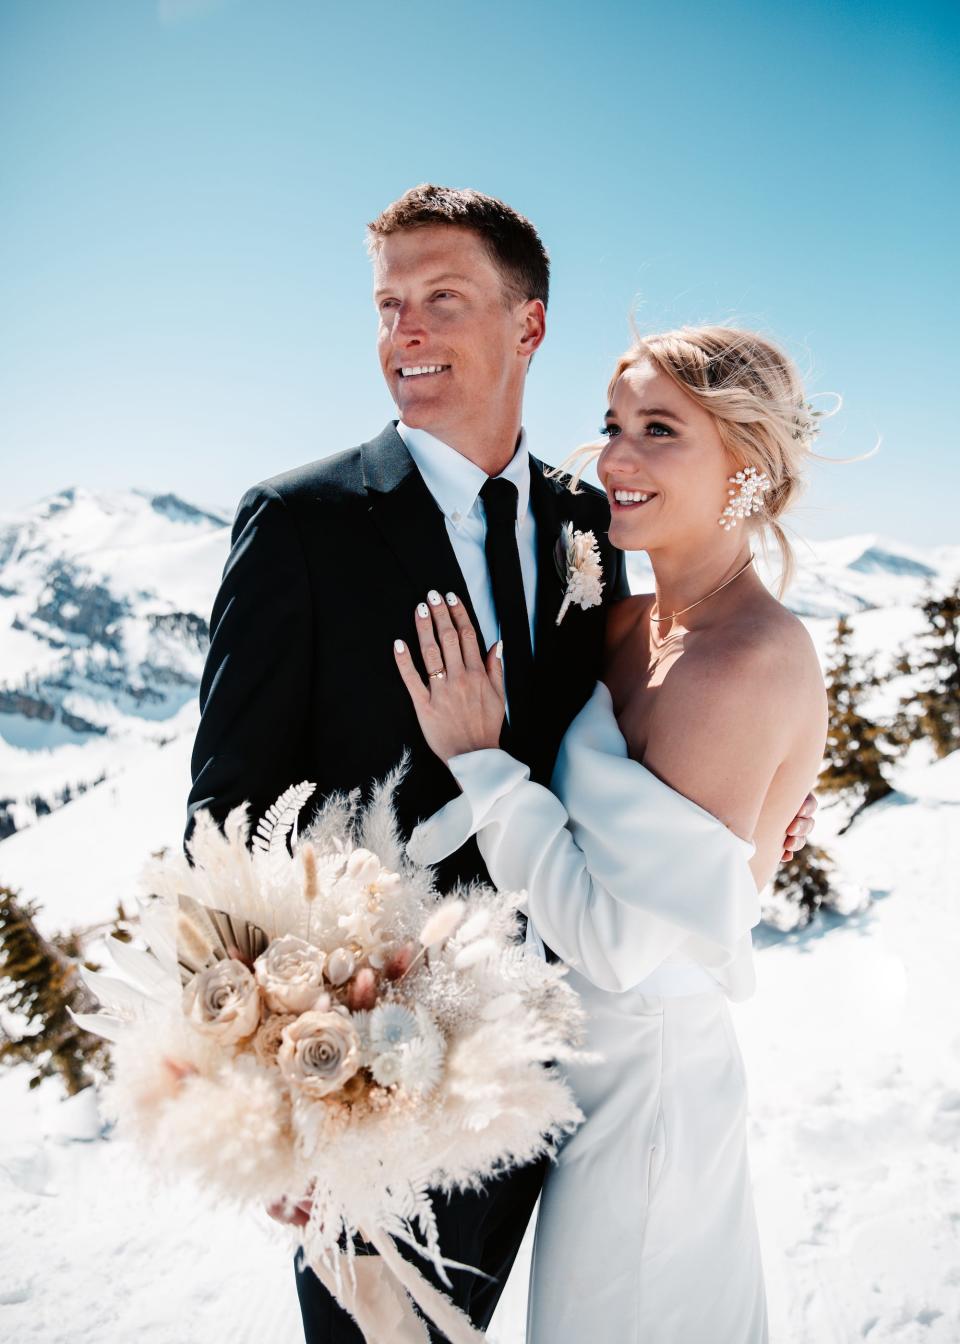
column 452, row 599
column 500, row 649
column 423, row 609
column 398, row 646
column 434, row 598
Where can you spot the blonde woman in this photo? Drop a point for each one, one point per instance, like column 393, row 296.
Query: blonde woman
column 642, row 864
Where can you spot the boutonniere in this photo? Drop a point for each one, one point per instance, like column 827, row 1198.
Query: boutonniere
column 580, row 568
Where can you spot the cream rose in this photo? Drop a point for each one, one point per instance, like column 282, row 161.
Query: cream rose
column 223, row 1001
column 319, row 1052
column 290, row 974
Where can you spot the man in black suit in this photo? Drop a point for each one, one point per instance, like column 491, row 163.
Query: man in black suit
column 445, row 500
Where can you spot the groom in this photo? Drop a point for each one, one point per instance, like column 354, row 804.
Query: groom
column 300, row 682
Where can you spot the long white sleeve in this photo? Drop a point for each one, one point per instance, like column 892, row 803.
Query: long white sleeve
column 622, row 876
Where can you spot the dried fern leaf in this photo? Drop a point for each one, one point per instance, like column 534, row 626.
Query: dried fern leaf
column 278, row 821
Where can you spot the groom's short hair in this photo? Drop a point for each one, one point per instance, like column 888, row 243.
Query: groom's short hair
column 512, row 241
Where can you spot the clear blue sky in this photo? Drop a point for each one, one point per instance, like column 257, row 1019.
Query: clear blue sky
column 184, row 291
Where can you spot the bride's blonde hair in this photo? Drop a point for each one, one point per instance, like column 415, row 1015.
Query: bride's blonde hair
column 755, row 394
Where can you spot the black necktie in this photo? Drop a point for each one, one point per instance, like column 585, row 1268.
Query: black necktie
column 506, row 578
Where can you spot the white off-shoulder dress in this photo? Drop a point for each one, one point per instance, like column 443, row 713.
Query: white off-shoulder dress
column 647, row 1230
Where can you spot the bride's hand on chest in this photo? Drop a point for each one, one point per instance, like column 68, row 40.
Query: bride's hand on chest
column 460, row 703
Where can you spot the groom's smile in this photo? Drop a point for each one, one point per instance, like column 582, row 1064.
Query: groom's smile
column 421, row 371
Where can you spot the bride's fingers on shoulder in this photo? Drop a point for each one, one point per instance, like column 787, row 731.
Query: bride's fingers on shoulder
column 411, row 677
column 469, row 648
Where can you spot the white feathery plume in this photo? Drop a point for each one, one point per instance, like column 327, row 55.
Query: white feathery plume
column 474, row 953
column 442, row 923
column 236, row 826
column 379, row 831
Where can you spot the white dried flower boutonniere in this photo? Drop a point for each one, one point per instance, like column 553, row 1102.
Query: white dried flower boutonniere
column 580, row 568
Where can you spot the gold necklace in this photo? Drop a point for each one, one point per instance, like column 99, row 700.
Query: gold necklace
column 671, row 617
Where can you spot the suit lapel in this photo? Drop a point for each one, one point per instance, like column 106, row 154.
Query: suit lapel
column 567, row 656
column 410, row 521
column 546, row 500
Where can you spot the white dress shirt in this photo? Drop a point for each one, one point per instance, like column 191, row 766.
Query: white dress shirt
column 455, row 482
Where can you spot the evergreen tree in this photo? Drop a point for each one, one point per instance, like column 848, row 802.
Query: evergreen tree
column 38, row 980
column 934, row 711
column 859, row 752
column 806, row 880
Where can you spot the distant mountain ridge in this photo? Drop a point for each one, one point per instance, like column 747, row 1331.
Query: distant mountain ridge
column 104, row 603
column 848, row 575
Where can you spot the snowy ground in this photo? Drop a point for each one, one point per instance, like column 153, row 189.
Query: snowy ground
column 851, row 1043
column 852, row 1048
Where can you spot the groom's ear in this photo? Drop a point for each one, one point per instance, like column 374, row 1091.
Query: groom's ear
column 533, row 328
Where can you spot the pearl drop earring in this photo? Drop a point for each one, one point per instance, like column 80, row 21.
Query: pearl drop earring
column 746, row 497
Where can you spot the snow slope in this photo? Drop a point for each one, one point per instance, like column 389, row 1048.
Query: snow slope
column 851, row 1043
column 852, row 1051
column 62, row 862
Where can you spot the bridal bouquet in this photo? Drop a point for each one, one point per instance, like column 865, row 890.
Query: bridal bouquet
column 312, row 1019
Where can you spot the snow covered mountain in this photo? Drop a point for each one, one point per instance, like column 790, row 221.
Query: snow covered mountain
column 849, row 575
column 104, row 601
column 105, row 598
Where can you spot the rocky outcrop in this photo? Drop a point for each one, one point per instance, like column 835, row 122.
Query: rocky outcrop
column 80, row 725
column 30, row 706
column 81, row 607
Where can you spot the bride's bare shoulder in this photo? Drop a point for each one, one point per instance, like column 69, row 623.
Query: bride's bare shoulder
column 744, row 702
column 764, row 651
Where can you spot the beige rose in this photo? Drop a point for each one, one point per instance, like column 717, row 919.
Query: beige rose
column 290, row 974
column 223, row 1001
column 319, row 1052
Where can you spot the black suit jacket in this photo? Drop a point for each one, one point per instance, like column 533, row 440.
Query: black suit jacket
column 328, row 562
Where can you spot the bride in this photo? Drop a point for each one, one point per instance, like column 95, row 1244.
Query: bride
column 670, row 797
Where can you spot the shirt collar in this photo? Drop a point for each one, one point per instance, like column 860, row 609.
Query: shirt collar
column 455, row 481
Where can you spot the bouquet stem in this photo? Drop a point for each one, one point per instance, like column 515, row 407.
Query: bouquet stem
column 445, row 1316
